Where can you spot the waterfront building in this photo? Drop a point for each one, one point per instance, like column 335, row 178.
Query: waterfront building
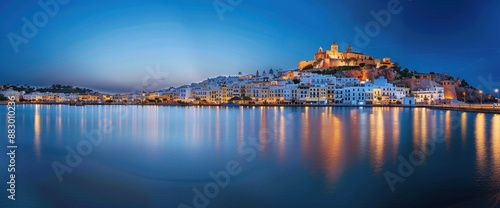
column 183, row 93
column 276, row 94
column 409, row 101
column 449, row 90
column 68, row 97
column 330, row 93
column 317, row 94
column 202, row 94
column 216, row 95
column 136, row 98
column 358, row 95
column 167, row 97
column 89, row 98
column 34, row 96
column 10, row 92
column 433, row 95
column 106, row 98
column 338, row 94
column 118, row 98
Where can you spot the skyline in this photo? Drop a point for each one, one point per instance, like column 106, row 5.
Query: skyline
column 109, row 47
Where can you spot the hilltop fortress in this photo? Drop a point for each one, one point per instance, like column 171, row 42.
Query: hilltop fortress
column 334, row 58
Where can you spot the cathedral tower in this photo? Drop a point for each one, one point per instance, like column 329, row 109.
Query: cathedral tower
column 335, row 47
column 349, row 49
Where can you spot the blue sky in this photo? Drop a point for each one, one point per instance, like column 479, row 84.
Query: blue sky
column 108, row 45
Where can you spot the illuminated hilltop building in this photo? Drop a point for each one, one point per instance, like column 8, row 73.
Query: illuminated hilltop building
column 334, row 58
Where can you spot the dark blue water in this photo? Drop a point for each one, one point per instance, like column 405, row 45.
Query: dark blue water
column 158, row 156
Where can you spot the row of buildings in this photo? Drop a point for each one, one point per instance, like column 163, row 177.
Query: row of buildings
column 49, row 97
column 291, row 87
column 303, row 87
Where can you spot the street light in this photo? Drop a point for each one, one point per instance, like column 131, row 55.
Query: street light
column 465, row 99
column 481, row 92
column 498, row 97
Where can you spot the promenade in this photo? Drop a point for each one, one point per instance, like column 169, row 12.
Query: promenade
column 480, row 108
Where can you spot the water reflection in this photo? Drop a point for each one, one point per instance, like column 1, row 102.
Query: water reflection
column 377, row 140
column 495, row 151
column 305, row 135
column 447, row 129
column 240, row 122
column 37, row 132
column 281, row 137
column 395, row 132
column 321, row 147
column 59, row 123
column 416, row 127
column 263, row 130
column 463, row 127
column 331, row 147
column 217, row 128
column 424, row 135
column 153, row 125
column 364, row 132
column 480, row 131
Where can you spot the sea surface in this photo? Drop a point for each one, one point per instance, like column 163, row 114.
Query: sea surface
column 174, row 156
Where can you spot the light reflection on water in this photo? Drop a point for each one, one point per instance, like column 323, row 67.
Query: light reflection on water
column 315, row 156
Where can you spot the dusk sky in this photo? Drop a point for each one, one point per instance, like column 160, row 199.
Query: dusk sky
column 108, row 45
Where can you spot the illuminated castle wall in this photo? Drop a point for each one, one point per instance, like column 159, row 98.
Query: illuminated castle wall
column 334, row 58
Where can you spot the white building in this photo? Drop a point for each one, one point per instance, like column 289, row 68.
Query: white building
column 183, row 93
column 10, row 92
column 433, row 95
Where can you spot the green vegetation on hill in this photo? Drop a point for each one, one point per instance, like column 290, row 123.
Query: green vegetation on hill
column 334, row 70
column 3, row 98
column 464, row 84
column 55, row 88
column 405, row 73
column 310, row 66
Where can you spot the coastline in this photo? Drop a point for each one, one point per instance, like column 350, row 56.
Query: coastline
column 477, row 108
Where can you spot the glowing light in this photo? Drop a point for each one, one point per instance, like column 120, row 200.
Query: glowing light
column 37, row 131
column 281, row 138
column 464, row 127
column 395, row 131
column 480, row 143
column 331, row 148
column 447, row 132
column 377, row 140
column 495, row 149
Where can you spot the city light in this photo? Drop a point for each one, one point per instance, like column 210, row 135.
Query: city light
column 498, row 97
column 481, row 92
